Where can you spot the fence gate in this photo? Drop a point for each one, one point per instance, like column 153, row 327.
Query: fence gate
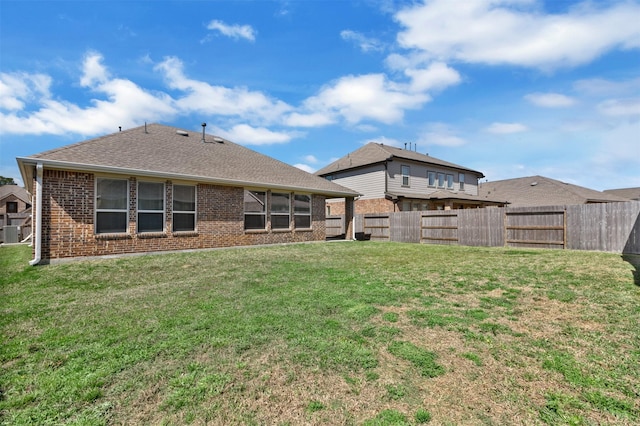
column 533, row 227
column 439, row 228
column 377, row 227
column 334, row 227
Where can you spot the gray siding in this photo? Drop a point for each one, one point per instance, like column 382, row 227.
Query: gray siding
column 418, row 180
column 368, row 181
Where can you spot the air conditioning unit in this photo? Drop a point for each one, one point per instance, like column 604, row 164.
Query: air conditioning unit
column 10, row 234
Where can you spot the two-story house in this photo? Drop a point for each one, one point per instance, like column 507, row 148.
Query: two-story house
column 393, row 179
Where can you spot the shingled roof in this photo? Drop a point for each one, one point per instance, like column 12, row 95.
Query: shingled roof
column 373, row 153
column 168, row 152
column 542, row 191
column 630, row 193
column 15, row 190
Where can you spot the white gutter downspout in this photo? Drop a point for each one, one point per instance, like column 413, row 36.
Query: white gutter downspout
column 37, row 232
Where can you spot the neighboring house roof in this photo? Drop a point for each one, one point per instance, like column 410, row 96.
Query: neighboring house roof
column 167, row 152
column 543, row 191
column 446, row 195
column 373, row 153
column 630, row 193
column 15, row 190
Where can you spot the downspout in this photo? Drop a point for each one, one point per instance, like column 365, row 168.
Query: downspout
column 37, row 232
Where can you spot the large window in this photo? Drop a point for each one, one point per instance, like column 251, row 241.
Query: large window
column 150, row 207
column 302, row 211
column 406, row 171
column 280, row 210
column 449, row 181
column 440, row 180
column 255, row 209
column 461, row 181
column 111, row 205
column 184, row 208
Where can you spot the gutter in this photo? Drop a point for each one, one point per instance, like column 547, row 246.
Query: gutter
column 37, row 231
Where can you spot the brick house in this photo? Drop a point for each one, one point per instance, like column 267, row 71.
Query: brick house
column 15, row 208
column 158, row 188
column 393, row 179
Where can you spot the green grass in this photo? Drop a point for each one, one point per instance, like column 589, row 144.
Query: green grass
column 347, row 333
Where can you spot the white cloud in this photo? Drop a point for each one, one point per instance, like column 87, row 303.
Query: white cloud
column 506, row 128
column 606, row 88
column 620, row 108
column 208, row 99
column 305, row 167
column 18, row 89
column 246, row 135
column 440, row 134
column 437, row 76
column 384, row 140
column 233, row 31
column 310, row 159
column 518, row 32
column 366, row 97
column 296, row 119
column 550, row 100
column 93, row 70
column 365, row 43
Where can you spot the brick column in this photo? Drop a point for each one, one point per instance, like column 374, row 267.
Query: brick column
column 348, row 217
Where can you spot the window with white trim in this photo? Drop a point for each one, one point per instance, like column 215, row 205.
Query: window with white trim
column 461, row 181
column 112, row 196
column 280, row 210
column 255, row 213
column 150, row 207
column 302, row 211
column 431, row 176
column 449, row 181
column 440, row 180
column 184, row 208
column 406, row 171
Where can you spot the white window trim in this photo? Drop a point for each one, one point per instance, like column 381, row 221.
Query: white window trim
column 449, row 181
column 461, row 180
column 408, row 175
column 194, row 212
column 444, row 179
column 96, row 210
column 164, row 207
column 435, row 179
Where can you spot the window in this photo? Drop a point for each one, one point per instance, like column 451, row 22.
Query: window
column 432, row 178
column 461, row 181
column 255, row 209
column 280, row 210
column 440, row 180
column 302, row 211
column 406, row 171
column 184, row 208
column 449, row 181
column 111, row 205
column 150, row 207
column 12, row 207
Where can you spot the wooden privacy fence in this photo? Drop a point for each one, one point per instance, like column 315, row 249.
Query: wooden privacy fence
column 613, row 227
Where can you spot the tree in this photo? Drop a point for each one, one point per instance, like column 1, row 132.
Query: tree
column 7, row 181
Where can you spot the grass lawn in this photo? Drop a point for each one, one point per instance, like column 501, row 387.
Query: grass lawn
column 332, row 333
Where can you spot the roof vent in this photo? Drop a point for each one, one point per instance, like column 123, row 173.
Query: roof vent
column 534, row 183
column 218, row 139
column 182, row 133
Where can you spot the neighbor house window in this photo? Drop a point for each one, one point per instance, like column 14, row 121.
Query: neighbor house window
column 406, row 171
column 111, row 205
column 150, row 207
column 302, row 211
column 440, row 180
column 280, row 210
column 449, row 181
column 184, row 208
column 461, row 181
column 12, row 207
column 255, row 209
column 431, row 176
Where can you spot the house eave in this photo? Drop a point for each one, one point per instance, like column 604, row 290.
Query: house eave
column 24, row 164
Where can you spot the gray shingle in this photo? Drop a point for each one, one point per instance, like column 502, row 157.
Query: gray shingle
column 168, row 151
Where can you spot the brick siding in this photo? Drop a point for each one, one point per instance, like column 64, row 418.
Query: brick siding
column 68, row 221
column 373, row 205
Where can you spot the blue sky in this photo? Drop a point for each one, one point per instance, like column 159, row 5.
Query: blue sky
column 509, row 87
